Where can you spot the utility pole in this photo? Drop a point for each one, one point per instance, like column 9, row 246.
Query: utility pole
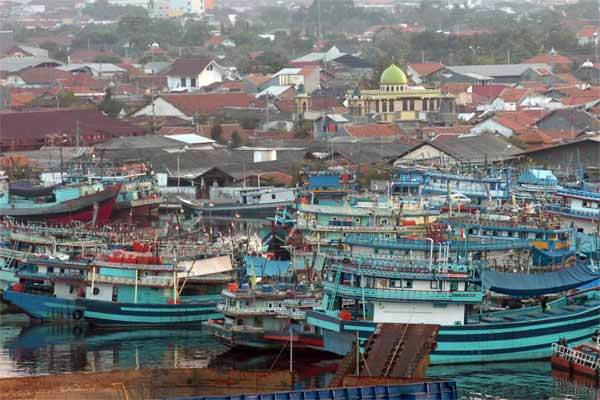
column 77, row 134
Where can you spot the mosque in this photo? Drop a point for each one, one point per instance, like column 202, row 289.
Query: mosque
column 397, row 101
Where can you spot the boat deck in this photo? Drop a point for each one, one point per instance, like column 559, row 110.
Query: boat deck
column 558, row 308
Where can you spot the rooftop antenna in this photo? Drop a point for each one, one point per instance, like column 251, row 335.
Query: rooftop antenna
column 318, row 19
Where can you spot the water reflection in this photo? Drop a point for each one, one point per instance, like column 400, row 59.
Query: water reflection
column 530, row 380
column 53, row 349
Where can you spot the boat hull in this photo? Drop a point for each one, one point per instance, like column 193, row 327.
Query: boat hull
column 109, row 314
column 81, row 210
column 46, row 308
column 233, row 210
column 477, row 343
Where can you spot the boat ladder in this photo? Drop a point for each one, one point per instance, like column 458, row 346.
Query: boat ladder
column 576, row 356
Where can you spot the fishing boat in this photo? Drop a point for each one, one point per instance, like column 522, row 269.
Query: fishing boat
column 62, row 205
column 122, row 289
column 551, row 241
column 266, row 317
column 240, row 202
column 535, row 184
column 361, row 293
column 578, row 208
column 583, row 359
column 482, row 188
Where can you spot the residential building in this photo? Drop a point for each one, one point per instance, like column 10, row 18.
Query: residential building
column 26, row 51
column 587, row 35
column 97, row 70
column 31, row 130
column 424, row 73
column 190, row 74
column 187, row 106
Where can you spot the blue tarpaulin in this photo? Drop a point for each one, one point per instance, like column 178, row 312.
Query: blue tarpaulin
column 539, row 284
column 260, row 267
column 323, row 182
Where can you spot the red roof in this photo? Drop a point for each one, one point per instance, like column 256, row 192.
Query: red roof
column 455, row 87
column 550, row 59
column 446, row 130
column 208, row 103
column 215, row 41
column 426, row 69
column 513, row 95
column 535, row 137
column 568, row 78
column 519, row 121
column 188, row 66
column 37, row 125
column 587, row 31
column 489, row 92
column 43, row 76
column 86, row 55
column 374, row 130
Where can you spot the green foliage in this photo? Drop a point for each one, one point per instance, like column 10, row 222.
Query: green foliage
column 216, row 132
column 55, row 51
column 103, row 10
column 236, row 140
column 271, row 61
column 66, row 99
column 249, row 123
column 108, row 59
column 110, row 106
column 303, row 129
column 195, row 33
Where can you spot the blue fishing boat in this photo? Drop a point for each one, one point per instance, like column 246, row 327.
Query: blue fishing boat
column 578, row 208
column 115, row 291
column 435, row 390
column 361, row 293
column 479, row 187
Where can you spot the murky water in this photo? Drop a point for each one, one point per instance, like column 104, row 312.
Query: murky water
column 53, row 349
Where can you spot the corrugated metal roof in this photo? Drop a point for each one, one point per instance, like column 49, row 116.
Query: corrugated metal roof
column 190, row 138
column 497, row 70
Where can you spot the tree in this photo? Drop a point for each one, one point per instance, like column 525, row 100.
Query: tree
column 236, row 140
column 216, row 132
column 110, row 106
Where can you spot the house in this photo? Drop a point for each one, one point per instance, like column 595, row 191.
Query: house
column 255, row 83
column 190, row 74
column 9, row 65
column 97, row 70
column 30, row 130
column 26, row 51
column 507, row 123
column 187, row 106
column 84, row 56
column 498, row 73
column 470, row 149
column 308, row 76
column 329, row 125
column 587, row 35
column 37, row 78
column 509, row 99
column 569, row 120
column 568, row 157
column 317, row 57
column 558, row 62
column 421, row 73
column 349, row 66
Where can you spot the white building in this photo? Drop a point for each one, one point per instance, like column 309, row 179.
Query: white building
column 188, row 74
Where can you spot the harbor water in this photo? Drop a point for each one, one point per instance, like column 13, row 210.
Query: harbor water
column 54, row 349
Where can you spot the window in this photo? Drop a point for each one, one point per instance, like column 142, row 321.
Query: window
column 396, row 283
column 433, row 285
column 96, row 291
column 408, row 284
column 182, row 82
column 210, row 67
column 115, row 293
column 193, row 82
column 453, row 286
column 273, row 196
column 391, row 106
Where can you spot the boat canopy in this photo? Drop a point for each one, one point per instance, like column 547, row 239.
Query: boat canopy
column 539, row 284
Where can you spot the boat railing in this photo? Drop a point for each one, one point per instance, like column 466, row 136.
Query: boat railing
column 572, row 211
column 580, row 193
column 142, row 281
column 275, row 311
column 416, row 244
column 375, row 263
column 576, row 356
column 404, row 294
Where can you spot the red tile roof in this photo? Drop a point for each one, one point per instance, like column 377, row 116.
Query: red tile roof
column 535, row 137
column 587, row 31
column 86, row 55
column 188, row 66
column 447, row 130
column 513, row 95
column 36, row 125
column 425, row 69
column 568, row 78
column 519, row 121
column 550, row 59
column 375, row 130
column 208, row 103
column 489, row 92
column 455, row 87
column 43, row 76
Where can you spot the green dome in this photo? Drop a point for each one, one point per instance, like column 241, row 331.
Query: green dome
column 393, row 76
